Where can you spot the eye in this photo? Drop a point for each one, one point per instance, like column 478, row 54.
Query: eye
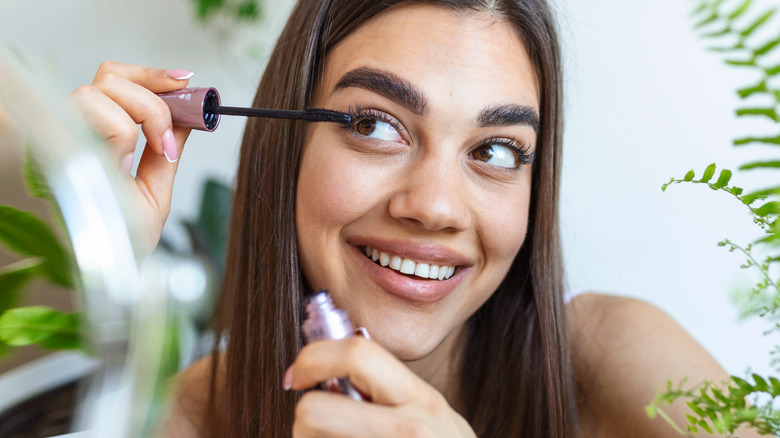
column 375, row 125
column 497, row 154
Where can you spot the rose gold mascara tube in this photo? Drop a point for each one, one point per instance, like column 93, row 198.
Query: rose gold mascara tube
column 325, row 321
column 200, row 108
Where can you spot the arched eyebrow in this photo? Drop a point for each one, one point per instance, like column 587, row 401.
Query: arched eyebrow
column 404, row 93
column 509, row 114
column 388, row 85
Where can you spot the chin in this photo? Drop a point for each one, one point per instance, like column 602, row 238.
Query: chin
column 409, row 345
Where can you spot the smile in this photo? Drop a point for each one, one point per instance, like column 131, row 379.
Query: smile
column 410, row 267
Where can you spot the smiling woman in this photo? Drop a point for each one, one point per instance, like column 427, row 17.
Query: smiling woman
column 432, row 218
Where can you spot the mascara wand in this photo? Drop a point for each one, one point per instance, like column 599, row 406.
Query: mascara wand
column 199, row 108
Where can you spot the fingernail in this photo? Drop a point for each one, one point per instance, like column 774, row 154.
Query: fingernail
column 126, row 166
column 170, row 148
column 288, row 376
column 362, row 331
column 179, row 75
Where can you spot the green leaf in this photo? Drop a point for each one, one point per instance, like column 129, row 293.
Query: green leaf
column 214, row 222
column 25, row 234
column 749, row 91
column 760, row 21
column 770, row 208
column 692, row 406
column 206, row 7
column 760, row 165
column 248, row 10
column 739, row 10
column 724, row 178
column 766, row 48
column 741, row 63
column 699, row 9
column 707, row 20
column 717, row 33
column 767, row 140
column 775, row 386
column 689, row 176
column 5, row 349
column 40, row 325
column 33, row 178
column 719, row 395
column 742, row 384
column 736, row 190
column 764, row 193
column 771, row 71
column 766, row 112
column 708, row 173
column 12, row 278
column 761, row 384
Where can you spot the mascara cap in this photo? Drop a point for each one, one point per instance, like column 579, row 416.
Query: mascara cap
column 324, row 320
column 188, row 107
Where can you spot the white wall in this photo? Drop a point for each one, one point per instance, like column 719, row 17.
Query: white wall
column 644, row 102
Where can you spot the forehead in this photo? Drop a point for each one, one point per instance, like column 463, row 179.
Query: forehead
column 451, row 56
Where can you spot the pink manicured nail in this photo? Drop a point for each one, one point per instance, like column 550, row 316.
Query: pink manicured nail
column 170, row 148
column 126, row 166
column 179, row 75
column 288, row 376
column 363, row 332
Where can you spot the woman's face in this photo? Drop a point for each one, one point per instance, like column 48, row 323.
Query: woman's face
column 434, row 175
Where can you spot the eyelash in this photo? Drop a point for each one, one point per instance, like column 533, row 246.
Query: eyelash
column 524, row 153
column 359, row 113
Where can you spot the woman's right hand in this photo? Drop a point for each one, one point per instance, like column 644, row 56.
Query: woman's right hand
column 121, row 97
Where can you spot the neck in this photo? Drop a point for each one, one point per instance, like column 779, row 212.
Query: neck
column 440, row 368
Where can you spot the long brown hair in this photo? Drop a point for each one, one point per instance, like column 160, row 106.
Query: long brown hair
column 515, row 375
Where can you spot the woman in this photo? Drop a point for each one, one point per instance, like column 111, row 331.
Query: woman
column 452, row 161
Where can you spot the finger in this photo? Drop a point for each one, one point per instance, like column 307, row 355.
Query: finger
column 154, row 79
column 324, row 414
column 146, row 109
column 370, row 368
column 107, row 119
column 155, row 174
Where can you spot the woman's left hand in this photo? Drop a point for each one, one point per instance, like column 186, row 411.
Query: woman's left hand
column 402, row 404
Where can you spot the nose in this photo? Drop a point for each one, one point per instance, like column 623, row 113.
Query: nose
column 432, row 194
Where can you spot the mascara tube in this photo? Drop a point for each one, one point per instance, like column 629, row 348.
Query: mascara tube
column 325, row 321
column 188, row 107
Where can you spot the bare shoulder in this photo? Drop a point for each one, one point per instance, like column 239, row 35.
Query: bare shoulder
column 624, row 350
column 189, row 408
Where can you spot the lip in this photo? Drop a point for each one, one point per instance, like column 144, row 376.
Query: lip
column 416, row 290
column 419, row 252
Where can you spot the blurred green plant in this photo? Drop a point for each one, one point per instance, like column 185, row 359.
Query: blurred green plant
column 45, row 258
column 722, row 408
column 25, row 234
column 239, row 10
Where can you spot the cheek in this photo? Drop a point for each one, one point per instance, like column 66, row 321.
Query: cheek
column 332, row 188
column 503, row 230
column 333, row 191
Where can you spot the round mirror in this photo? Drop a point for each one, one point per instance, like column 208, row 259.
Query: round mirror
column 109, row 314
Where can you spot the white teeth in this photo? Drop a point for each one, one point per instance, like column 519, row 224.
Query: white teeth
column 384, row 258
column 408, row 266
column 395, row 263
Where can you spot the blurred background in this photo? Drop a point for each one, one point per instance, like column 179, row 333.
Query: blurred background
column 644, row 102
